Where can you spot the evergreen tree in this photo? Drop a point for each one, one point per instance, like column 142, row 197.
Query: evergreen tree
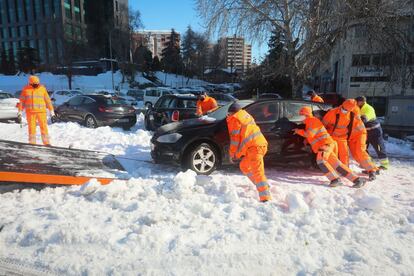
column 216, row 56
column 171, row 58
column 143, row 58
column 27, row 59
column 189, row 51
column 156, row 64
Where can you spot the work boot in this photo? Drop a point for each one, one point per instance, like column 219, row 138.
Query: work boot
column 372, row 176
column 377, row 172
column 335, row 183
column 358, row 183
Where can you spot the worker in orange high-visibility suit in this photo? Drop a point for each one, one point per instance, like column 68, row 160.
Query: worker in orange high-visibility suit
column 205, row 104
column 247, row 142
column 337, row 122
column 325, row 147
column 357, row 143
column 35, row 99
column 314, row 97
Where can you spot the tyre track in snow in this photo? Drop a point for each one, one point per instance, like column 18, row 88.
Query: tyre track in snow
column 10, row 267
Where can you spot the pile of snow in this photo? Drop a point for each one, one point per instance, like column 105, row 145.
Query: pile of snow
column 174, row 80
column 163, row 221
column 55, row 82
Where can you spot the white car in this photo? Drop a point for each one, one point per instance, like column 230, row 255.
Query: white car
column 61, row 96
column 152, row 94
column 8, row 106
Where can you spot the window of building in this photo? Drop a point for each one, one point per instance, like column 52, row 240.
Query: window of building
column 68, row 31
column 76, row 9
column 59, row 47
column 26, row 9
column 19, row 11
column 116, row 5
column 12, row 32
column 56, row 8
column 51, row 50
column 32, row 44
column 360, row 60
column 10, row 12
column 29, row 30
column 68, row 8
column 78, row 33
column 49, row 29
column 37, row 9
column 3, row 33
column 22, row 31
column 42, row 50
column 46, row 8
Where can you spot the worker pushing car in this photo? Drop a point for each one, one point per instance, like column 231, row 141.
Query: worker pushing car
column 34, row 99
column 205, row 104
column 314, row 97
column 347, row 129
column 325, row 149
column 248, row 143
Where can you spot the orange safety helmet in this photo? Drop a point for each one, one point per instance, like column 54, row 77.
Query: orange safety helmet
column 306, row 111
column 34, row 80
column 349, row 104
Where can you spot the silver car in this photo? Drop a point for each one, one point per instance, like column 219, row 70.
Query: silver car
column 8, row 106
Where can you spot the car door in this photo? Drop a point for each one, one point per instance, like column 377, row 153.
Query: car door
column 160, row 110
column 293, row 145
column 266, row 114
column 74, row 111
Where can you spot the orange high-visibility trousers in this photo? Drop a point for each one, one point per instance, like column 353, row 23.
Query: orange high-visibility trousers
column 343, row 150
column 252, row 166
column 34, row 118
column 329, row 164
column 358, row 148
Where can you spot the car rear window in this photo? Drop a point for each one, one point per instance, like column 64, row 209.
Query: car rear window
column 112, row 101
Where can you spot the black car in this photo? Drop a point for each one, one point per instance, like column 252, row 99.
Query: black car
column 202, row 144
column 96, row 110
column 177, row 107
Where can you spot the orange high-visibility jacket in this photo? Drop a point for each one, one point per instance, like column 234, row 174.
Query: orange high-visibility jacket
column 35, row 99
column 208, row 104
column 358, row 128
column 244, row 133
column 317, row 99
column 315, row 133
column 340, row 130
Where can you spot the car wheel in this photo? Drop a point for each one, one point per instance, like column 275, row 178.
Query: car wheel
column 147, row 124
column 90, row 122
column 203, row 159
column 148, row 105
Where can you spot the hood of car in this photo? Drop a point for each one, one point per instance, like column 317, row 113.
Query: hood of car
column 187, row 125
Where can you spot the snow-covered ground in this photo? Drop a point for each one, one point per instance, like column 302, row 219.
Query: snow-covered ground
column 166, row 222
column 55, row 82
column 174, row 81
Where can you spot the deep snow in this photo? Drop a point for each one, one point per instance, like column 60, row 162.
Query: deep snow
column 166, row 222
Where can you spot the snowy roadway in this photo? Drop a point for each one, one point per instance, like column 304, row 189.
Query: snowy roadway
column 165, row 222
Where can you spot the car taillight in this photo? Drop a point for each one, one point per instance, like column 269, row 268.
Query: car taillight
column 175, row 116
column 105, row 109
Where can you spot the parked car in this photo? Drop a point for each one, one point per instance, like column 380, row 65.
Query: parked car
column 60, row 96
column 270, row 96
column 96, row 110
column 177, row 107
column 138, row 94
column 126, row 100
column 202, row 144
column 8, row 106
column 152, row 94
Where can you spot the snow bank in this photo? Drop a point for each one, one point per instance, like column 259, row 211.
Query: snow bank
column 166, row 222
column 174, row 80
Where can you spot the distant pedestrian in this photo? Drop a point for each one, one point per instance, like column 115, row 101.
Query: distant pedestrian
column 314, row 97
column 205, row 104
column 35, row 99
column 374, row 130
column 248, row 143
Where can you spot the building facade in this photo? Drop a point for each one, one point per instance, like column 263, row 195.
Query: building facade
column 47, row 25
column 155, row 40
column 355, row 67
column 237, row 54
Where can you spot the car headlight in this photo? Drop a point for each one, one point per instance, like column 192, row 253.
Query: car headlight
column 169, row 138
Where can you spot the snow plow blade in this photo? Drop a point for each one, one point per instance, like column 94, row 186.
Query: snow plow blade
column 22, row 163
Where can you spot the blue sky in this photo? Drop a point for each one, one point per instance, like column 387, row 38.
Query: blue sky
column 177, row 14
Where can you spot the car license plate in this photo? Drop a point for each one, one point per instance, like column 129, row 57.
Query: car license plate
column 123, row 120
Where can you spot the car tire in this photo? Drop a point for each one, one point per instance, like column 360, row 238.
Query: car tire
column 148, row 105
column 147, row 124
column 90, row 122
column 202, row 158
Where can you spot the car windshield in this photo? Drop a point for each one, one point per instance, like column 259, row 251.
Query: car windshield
column 4, row 96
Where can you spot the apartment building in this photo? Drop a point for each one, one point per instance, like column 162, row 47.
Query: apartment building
column 155, row 40
column 237, row 54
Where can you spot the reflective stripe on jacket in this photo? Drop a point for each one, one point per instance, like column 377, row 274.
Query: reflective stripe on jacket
column 208, row 104
column 339, row 131
column 244, row 133
column 358, row 128
column 35, row 99
column 315, row 133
